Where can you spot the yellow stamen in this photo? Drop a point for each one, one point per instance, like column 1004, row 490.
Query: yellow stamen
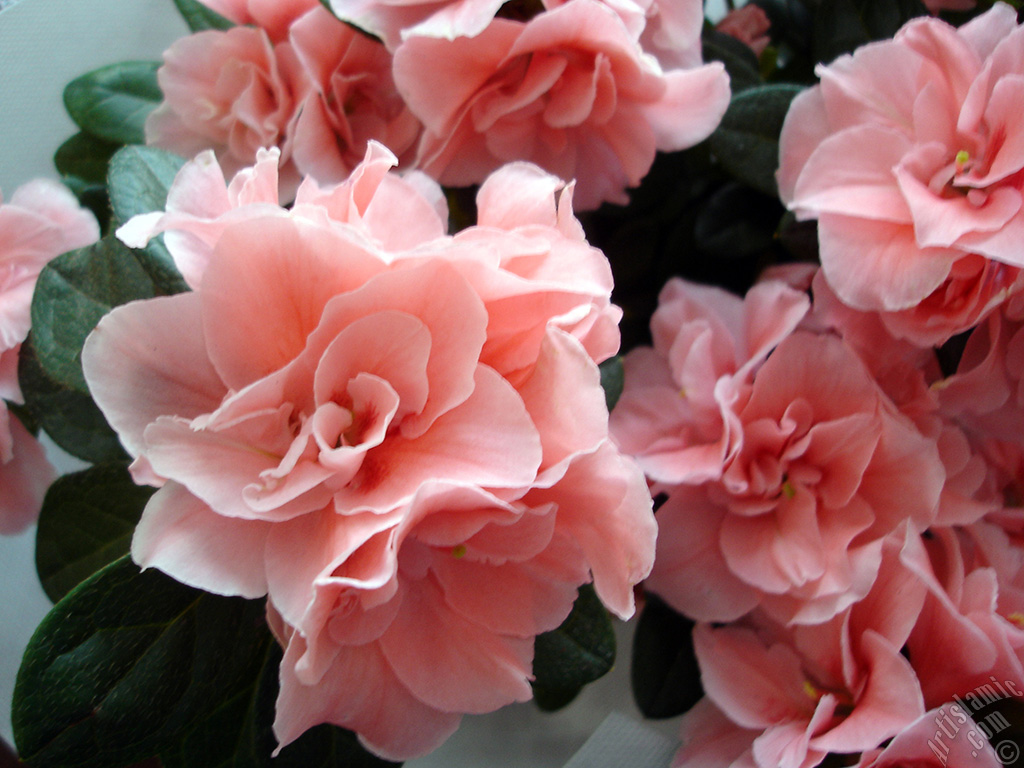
column 812, row 692
column 962, row 157
column 459, row 551
column 1017, row 618
column 788, row 490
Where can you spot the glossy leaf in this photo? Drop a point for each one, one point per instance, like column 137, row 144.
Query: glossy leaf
column 613, row 379
column 85, row 157
column 86, row 523
column 112, row 103
column 139, row 178
column 138, row 181
column 737, row 221
column 73, row 292
column 841, row 26
column 665, row 675
column 580, row 651
column 238, row 735
column 69, row 416
column 199, row 17
column 747, row 141
column 129, row 662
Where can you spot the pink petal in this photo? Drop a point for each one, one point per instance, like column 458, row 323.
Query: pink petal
column 891, row 700
column 147, row 359
column 303, row 553
column 603, row 503
column 457, row 326
column 181, row 536
column 755, row 686
column 855, row 251
column 517, row 599
column 850, row 172
column 565, row 398
column 451, row 663
column 689, row 570
column 390, row 345
column 25, row 476
column 360, row 692
column 489, row 440
column 287, row 268
column 691, row 108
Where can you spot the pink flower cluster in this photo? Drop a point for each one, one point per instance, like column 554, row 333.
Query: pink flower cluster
column 843, row 514
column 842, row 521
column 587, row 89
column 42, row 220
column 398, row 436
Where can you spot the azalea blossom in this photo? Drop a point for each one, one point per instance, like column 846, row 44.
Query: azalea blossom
column 785, row 697
column 570, row 90
column 351, row 100
column 749, row 25
column 909, row 156
column 232, row 91
column 405, row 449
column 300, row 80
column 42, row 220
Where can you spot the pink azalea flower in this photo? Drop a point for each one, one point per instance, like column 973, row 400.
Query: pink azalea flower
column 825, row 467
column 971, row 628
column 308, row 84
column 234, row 92
column 669, row 30
column 540, row 255
column 569, row 90
column 909, row 154
column 749, row 25
column 41, row 221
column 676, row 411
column 406, row 450
column 840, row 686
column 352, row 99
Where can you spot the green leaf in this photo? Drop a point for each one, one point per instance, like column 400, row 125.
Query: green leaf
column 86, row 523
column 737, row 221
column 128, row 663
column 578, row 652
column 73, row 292
column 84, row 157
column 740, row 62
column 747, row 141
column 68, row 416
column 238, row 735
column 665, row 675
column 112, row 103
column 613, row 378
column 841, row 26
column 139, row 178
column 92, row 196
column 199, row 17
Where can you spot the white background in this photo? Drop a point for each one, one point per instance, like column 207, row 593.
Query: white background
column 43, row 45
